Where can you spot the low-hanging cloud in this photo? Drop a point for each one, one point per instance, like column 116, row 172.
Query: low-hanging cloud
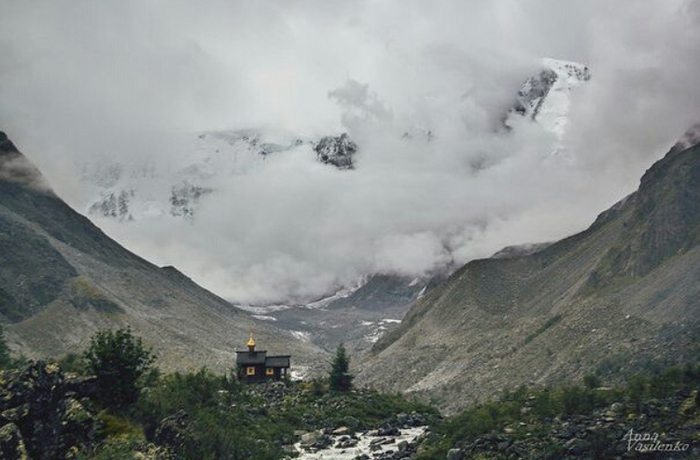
column 80, row 79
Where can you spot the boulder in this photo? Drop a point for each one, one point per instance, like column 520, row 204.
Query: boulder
column 337, row 151
column 309, row 438
column 455, row 454
column 341, row 430
column 11, row 443
column 53, row 419
column 172, row 431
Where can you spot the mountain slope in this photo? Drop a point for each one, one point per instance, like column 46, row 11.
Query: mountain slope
column 612, row 298
column 61, row 278
column 356, row 317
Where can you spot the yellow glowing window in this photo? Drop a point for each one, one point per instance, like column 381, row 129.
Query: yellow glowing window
column 269, row 371
column 249, row 371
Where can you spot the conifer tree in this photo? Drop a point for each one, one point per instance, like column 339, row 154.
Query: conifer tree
column 340, row 377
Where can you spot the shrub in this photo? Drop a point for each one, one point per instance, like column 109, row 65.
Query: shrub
column 637, row 390
column 5, row 358
column 544, row 405
column 73, row 362
column 318, row 386
column 577, row 400
column 118, row 359
column 591, row 381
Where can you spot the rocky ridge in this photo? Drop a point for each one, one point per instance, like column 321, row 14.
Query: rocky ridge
column 137, row 190
column 615, row 296
column 62, row 278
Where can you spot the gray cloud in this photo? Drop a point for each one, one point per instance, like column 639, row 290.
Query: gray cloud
column 80, row 79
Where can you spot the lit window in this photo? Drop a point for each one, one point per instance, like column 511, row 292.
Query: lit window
column 249, row 371
column 269, row 371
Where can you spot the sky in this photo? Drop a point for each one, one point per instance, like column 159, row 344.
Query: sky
column 81, row 80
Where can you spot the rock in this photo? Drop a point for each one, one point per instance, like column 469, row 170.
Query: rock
column 322, row 441
column 503, row 445
column 455, row 454
column 82, row 386
column 11, row 443
column 49, row 415
column 616, row 408
column 172, row 431
column 388, row 431
column 309, row 438
column 341, row 430
column 403, row 445
column 337, row 151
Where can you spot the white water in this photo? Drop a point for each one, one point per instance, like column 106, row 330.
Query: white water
column 332, row 453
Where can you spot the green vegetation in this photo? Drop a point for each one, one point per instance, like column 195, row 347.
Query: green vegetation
column 85, row 294
column 5, row 359
column 525, row 413
column 118, row 359
column 340, row 377
column 547, row 324
column 205, row 416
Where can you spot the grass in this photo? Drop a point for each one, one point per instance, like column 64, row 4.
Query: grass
column 535, row 408
column 547, row 324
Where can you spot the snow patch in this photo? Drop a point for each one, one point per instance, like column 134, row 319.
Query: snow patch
column 265, row 318
column 302, row 335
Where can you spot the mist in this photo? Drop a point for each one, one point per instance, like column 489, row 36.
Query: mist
column 81, row 80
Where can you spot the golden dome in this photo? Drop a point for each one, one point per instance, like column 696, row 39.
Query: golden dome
column 251, row 340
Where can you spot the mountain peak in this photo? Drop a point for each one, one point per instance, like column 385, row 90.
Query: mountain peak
column 6, row 144
column 546, row 96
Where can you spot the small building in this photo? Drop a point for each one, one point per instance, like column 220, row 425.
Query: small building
column 254, row 366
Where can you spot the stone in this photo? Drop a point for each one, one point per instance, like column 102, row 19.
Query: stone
column 309, row 438
column 616, row 407
column 337, row 151
column 341, row 430
column 172, row 430
column 455, row 454
column 52, row 421
column 11, row 443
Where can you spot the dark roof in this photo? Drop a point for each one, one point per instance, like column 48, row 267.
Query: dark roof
column 247, row 357
column 277, row 361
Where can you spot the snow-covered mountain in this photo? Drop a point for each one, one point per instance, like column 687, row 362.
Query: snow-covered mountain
column 141, row 190
column 546, row 97
column 200, row 162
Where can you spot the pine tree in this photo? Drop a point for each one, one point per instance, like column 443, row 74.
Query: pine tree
column 340, row 377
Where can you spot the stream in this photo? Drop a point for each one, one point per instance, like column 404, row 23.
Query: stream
column 381, row 445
